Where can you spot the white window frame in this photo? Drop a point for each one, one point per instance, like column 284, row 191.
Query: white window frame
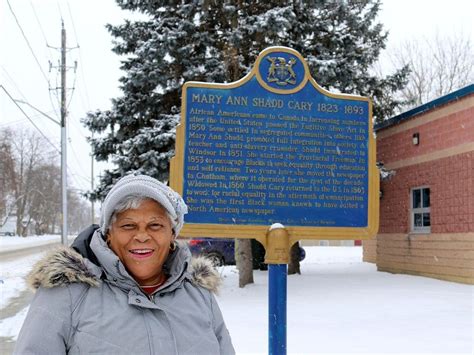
column 413, row 228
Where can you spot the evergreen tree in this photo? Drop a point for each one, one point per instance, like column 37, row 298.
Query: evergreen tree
column 214, row 41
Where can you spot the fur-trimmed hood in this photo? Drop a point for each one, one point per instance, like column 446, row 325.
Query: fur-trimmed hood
column 64, row 266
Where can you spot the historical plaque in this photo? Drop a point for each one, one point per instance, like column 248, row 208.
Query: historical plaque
column 274, row 147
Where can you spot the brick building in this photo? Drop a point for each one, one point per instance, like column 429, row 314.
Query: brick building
column 427, row 207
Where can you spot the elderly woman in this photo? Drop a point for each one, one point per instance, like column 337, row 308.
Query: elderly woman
column 142, row 294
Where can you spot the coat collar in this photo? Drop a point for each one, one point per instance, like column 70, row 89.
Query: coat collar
column 64, row 266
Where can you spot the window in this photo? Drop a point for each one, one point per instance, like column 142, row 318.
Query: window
column 420, row 210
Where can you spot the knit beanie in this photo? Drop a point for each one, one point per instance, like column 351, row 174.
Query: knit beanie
column 145, row 186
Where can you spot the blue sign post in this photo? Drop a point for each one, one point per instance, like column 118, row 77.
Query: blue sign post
column 275, row 147
column 277, row 308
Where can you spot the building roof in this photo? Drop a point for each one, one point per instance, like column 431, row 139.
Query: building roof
column 455, row 95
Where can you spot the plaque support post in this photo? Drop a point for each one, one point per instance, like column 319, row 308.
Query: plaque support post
column 277, row 256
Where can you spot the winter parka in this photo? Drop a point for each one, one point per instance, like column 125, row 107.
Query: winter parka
column 84, row 308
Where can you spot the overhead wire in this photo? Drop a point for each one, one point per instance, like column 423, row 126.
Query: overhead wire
column 49, row 85
column 73, row 150
column 75, row 156
column 24, row 101
column 50, row 56
column 52, row 102
column 81, row 61
column 27, row 42
column 32, row 52
column 72, row 92
column 38, row 110
column 57, row 85
column 41, row 28
column 12, row 123
column 86, row 105
column 85, row 178
column 29, row 119
column 73, row 175
column 9, row 78
column 77, row 126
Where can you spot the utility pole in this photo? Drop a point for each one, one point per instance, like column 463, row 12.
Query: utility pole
column 63, row 137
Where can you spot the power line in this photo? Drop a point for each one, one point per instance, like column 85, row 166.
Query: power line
column 73, row 176
column 29, row 119
column 80, row 58
column 72, row 21
column 73, row 89
column 52, row 102
column 81, row 176
column 76, row 157
column 77, row 125
column 12, row 123
column 27, row 42
column 60, row 11
column 41, row 112
column 79, row 163
column 9, row 78
column 47, row 46
column 41, row 28
column 13, row 83
column 38, row 110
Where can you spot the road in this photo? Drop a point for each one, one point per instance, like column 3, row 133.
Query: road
column 9, row 255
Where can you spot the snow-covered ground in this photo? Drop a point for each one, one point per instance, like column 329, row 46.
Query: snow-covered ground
column 342, row 305
column 16, row 243
column 338, row 305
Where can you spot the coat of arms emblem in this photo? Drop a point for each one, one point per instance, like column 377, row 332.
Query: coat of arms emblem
column 281, row 72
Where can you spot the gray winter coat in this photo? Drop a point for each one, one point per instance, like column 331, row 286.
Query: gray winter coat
column 81, row 308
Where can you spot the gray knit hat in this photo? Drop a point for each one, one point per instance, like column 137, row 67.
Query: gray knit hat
column 146, row 186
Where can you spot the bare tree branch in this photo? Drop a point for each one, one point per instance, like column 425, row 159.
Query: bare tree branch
column 438, row 66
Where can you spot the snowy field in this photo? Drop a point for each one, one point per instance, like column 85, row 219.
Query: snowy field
column 338, row 305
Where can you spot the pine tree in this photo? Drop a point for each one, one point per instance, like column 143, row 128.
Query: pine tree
column 216, row 41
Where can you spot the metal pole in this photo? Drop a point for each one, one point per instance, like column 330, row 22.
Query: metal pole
column 277, row 308
column 277, row 246
column 63, row 138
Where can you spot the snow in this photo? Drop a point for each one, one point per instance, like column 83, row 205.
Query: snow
column 276, row 226
column 12, row 275
column 338, row 304
column 15, row 243
column 9, row 327
column 342, row 305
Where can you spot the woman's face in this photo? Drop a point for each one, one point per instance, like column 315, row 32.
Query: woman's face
column 141, row 239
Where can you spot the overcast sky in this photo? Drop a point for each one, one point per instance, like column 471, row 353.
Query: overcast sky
column 29, row 78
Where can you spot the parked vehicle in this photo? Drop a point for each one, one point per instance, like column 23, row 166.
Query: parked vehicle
column 222, row 251
column 9, row 227
column 7, row 234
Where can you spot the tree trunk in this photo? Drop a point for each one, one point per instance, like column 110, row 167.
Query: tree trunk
column 294, row 265
column 243, row 255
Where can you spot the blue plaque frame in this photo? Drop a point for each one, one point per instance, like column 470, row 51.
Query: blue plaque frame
column 275, row 147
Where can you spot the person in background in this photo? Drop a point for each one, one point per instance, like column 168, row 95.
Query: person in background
column 136, row 292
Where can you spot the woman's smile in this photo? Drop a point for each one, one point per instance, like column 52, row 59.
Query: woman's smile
column 141, row 253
